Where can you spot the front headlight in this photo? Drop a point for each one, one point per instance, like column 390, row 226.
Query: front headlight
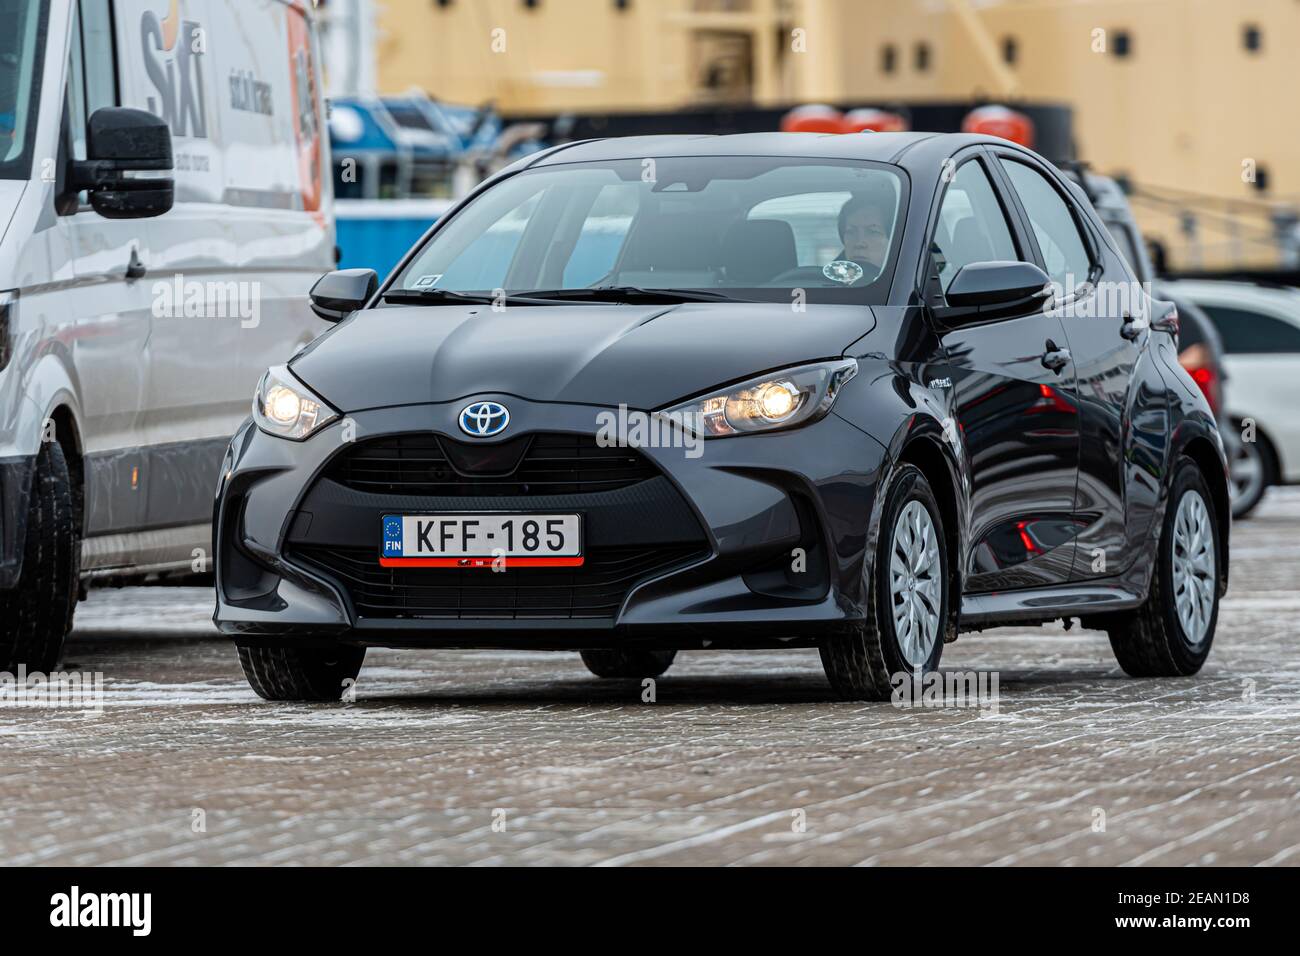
column 786, row 399
column 286, row 408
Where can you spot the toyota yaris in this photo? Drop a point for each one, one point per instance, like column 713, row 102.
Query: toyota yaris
column 861, row 393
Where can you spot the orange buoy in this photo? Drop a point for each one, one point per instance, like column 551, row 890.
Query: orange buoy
column 1000, row 121
column 813, row 118
column 879, row 121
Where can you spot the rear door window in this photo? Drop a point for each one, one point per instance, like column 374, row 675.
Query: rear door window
column 1065, row 254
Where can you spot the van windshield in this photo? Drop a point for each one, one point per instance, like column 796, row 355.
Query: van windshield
column 22, row 49
column 722, row 227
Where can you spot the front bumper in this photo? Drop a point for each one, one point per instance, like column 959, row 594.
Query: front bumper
column 708, row 545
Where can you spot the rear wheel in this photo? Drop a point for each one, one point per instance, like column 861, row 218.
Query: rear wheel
column 1253, row 469
column 1170, row 635
column 36, row 616
column 301, row 673
column 907, row 598
column 616, row 663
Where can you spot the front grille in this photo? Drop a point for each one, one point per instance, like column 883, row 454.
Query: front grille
column 543, row 464
column 594, row 591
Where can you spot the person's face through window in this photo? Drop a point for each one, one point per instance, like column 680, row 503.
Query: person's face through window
column 865, row 236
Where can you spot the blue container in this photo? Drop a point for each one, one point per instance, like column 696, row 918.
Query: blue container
column 376, row 233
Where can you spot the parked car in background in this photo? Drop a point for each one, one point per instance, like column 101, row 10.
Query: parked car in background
column 1260, row 329
column 1200, row 349
column 165, row 205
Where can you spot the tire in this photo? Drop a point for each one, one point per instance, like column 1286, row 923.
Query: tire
column 1253, row 470
column 1153, row 641
column 301, row 673
column 36, row 616
column 624, row 663
column 863, row 660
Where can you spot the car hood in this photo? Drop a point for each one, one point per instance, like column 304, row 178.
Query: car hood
column 642, row 356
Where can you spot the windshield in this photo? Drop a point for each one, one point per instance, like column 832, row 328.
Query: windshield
column 743, row 228
column 22, row 48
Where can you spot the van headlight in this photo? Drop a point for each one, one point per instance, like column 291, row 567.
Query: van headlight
column 286, row 408
column 785, row 399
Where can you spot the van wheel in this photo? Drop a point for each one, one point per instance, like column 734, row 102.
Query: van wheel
column 301, row 673
column 36, row 617
column 907, row 598
column 623, row 663
column 1170, row 635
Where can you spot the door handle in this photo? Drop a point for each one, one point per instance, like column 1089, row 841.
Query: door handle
column 1055, row 358
column 135, row 268
column 1132, row 328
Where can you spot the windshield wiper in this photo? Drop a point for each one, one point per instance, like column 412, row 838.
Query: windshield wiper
column 608, row 293
column 442, row 296
column 624, row 293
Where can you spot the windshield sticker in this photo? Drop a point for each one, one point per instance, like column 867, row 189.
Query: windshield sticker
column 427, row 282
column 842, row 270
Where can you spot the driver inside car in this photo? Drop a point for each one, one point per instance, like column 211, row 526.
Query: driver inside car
column 864, row 230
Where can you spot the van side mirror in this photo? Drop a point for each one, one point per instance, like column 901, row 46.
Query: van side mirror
column 336, row 295
column 128, row 151
column 986, row 290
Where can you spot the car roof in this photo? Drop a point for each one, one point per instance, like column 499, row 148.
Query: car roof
column 1225, row 292
column 876, row 147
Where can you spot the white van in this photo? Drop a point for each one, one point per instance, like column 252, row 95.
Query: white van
column 165, row 205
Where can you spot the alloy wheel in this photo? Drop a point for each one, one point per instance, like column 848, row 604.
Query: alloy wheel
column 915, row 578
column 1193, row 566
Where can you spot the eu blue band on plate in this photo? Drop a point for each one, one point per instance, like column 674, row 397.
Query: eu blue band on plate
column 392, row 534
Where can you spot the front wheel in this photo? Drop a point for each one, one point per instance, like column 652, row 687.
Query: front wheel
column 36, row 616
column 301, row 673
column 1170, row 635
column 906, row 598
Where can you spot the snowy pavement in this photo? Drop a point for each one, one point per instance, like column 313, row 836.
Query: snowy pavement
column 488, row 757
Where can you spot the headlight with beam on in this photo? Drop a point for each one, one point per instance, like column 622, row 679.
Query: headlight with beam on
column 785, row 399
column 286, row 408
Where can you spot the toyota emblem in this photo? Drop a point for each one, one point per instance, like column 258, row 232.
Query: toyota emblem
column 484, row 419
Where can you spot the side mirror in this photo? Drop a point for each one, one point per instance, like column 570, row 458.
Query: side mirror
column 336, row 295
column 984, row 290
column 122, row 144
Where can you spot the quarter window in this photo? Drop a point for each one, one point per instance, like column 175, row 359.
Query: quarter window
column 1065, row 256
column 97, row 47
column 972, row 226
column 92, row 78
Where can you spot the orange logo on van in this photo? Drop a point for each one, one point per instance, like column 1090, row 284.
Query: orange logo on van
column 307, row 131
column 171, row 26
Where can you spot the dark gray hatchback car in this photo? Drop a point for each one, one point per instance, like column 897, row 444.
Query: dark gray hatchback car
column 635, row 396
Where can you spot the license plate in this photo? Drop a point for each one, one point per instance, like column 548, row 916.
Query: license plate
column 479, row 540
